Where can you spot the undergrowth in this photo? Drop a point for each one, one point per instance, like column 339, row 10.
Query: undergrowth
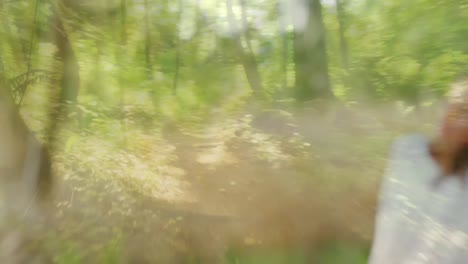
column 130, row 192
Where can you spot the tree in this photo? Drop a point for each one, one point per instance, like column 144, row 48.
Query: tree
column 247, row 58
column 285, row 39
column 310, row 54
column 25, row 162
column 70, row 81
column 70, row 68
column 340, row 13
column 148, row 44
column 178, row 48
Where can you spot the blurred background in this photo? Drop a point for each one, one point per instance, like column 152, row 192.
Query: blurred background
column 233, row 131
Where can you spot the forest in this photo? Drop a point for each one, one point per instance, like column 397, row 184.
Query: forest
column 233, row 131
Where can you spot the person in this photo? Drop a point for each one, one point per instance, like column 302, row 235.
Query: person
column 418, row 221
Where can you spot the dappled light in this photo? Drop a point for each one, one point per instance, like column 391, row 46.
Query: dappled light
column 200, row 131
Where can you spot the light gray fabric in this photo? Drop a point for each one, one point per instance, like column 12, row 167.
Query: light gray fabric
column 416, row 222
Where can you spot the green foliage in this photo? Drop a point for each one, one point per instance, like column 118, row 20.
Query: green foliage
column 395, row 47
column 112, row 253
column 115, row 157
column 269, row 257
column 69, row 255
column 335, row 253
column 409, row 50
column 341, row 253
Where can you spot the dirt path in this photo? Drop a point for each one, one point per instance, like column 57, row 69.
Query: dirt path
column 225, row 186
column 265, row 204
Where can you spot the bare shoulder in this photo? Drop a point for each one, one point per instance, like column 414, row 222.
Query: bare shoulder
column 410, row 161
column 410, row 145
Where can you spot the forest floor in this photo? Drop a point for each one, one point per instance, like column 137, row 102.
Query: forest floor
column 265, row 181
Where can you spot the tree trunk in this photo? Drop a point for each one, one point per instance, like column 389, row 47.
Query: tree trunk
column 342, row 29
column 70, row 68
column 245, row 26
column 123, row 20
column 70, row 82
column 120, row 58
column 247, row 58
column 284, row 33
column 25, row 167
column 25, row 184
column 149, row 64
column 178, row 43
column 310, row 56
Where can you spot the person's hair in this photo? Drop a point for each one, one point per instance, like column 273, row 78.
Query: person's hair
column 459, row 90
column 450, row 148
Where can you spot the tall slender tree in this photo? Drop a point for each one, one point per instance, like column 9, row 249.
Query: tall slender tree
column 310, row 54
column 285, row 39
column 178, row 44
column 340, row 13
column 149, row 63
column 247, row 58
column 70, row 81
